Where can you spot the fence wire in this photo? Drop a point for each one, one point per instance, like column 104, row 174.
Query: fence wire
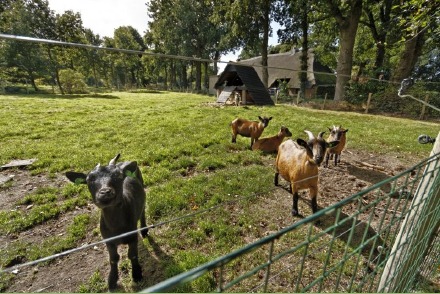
column 338, row 252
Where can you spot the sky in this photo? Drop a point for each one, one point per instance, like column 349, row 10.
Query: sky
column 104, row 16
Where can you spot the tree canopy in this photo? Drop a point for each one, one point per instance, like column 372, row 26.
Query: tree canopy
column 385, row 39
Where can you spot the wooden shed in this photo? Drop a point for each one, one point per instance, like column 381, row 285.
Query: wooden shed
column 244, row 80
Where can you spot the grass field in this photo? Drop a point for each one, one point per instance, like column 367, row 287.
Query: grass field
column 183, row 146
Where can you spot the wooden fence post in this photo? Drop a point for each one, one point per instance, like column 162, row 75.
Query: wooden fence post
column 325, row 99
column 414, row 239
column 368, row 102
column 422, row 115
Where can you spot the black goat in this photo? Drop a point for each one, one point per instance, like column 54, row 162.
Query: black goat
column 118, row 190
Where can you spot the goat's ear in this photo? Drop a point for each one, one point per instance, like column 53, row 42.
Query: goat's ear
column 129, row 168
column 77, row 178
column 302, row 143
column 270, row 118
column 332, row 144
column 346, row 131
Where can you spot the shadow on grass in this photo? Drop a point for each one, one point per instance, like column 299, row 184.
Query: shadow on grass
column 154, row 262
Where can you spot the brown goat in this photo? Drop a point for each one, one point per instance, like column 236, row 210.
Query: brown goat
column 247, row 128
column 297, row 162
column 271, row 144
column 336, row 134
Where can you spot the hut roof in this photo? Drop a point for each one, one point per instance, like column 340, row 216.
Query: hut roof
column 239, row 75
column 284, row 66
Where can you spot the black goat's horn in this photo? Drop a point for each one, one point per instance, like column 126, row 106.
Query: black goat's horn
column 113, row 161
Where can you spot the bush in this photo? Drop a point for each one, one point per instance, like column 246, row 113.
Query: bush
column 72, row 82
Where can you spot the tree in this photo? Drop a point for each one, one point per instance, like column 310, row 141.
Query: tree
column 248, row 24
column 127, row 37
column 418, row 18
column 294, row 16
column 26, row 18
column 347, row 16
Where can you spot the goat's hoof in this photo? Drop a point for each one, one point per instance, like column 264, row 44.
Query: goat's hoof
column 144, row 233
column 112, row 288
column 137, row 275
column 294, row 212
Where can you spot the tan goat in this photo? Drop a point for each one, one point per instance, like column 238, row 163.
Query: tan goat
column 336, row 134
column 271, row 144
column 247, row 128
column 297, row 162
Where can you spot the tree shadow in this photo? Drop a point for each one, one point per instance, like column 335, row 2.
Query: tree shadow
column 368, row 175
column 357, row 234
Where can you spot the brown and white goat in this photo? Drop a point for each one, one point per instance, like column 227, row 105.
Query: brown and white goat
column 336, row 134
column 271, row 144
column 247, row 128
column 297, row 162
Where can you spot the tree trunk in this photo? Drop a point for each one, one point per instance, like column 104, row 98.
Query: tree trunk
column 408, row 58
column 184, row 78
column 198, row 76
column 347, row 35
column 265, row 43
column 206, row 82
column 305, row 48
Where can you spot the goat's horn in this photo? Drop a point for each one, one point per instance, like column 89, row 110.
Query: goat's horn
column 311, row 136
column 320, row 135
column 113, row 161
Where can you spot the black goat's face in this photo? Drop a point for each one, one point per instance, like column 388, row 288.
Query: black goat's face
column 265, row 120
column 105, row 183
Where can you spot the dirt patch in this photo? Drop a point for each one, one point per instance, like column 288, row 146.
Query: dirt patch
column 356, row 171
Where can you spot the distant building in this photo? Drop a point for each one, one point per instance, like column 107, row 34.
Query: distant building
column 286, row 67
column 243, row 81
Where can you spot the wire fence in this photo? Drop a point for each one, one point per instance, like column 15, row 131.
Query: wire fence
column 390, row 244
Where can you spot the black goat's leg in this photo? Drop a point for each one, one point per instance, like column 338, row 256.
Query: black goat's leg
column 144, row 232
column 275, row 181
column 295, row 203
column 136, row 270
column 114, row 259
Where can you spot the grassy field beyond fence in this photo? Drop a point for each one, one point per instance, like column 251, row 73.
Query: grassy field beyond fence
column 182, row 143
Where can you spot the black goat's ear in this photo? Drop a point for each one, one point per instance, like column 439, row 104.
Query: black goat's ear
column 77, row 178
column 129, row 168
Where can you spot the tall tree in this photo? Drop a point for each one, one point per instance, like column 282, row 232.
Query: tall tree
column 379, row 20
column 347, row 15
column 26, row 18
column 418, row 17
column 127, row 37
column 248, row 25
column 294, row 17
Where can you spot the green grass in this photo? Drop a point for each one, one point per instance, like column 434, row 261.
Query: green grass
column 183, row 148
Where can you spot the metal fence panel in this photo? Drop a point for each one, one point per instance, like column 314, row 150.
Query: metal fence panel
column 341, row 252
